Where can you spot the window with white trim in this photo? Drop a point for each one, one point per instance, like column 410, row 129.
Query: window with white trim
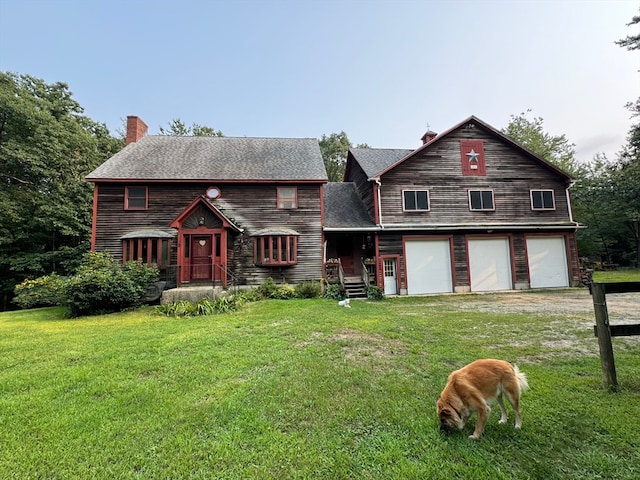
column 481, row 200
column 542, row 200
column 415, row 200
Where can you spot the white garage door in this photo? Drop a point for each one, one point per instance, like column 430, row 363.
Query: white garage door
column 547, row 257
column 490, row 264
column 428, row 266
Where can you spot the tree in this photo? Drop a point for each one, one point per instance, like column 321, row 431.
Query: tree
column 335, row 148
column 530, row 134
column 625, row 177
column 631, row 42
column 46, row 148
column 179, row 128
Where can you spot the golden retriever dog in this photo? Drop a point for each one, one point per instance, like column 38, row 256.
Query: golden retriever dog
column 473, row 388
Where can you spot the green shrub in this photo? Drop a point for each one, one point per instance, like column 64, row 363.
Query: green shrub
column 205, row 306
column 308, row 290
column 46, row 291
column 284, row 292
column 335, row 291
column 267, row 289
column 375, row 293
column 103, row 285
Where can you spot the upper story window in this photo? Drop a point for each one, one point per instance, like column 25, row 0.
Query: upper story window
column 472, row 158
column 135, row 198
column 276, row 250
column 415, row 200
column 481, row 200
column 287, row 197
column 542, row 200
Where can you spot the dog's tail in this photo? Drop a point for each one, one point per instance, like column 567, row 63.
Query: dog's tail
column 522, row 378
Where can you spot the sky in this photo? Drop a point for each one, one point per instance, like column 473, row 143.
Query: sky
column 382, row 71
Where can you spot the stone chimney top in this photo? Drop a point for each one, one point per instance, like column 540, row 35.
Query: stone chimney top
column 428, row 136
column 136, row 129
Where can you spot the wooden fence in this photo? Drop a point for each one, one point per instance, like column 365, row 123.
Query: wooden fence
column 604, row 330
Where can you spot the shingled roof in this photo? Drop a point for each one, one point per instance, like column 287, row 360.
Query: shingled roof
column 170, row 158
column 343, row 208
column 375, row 160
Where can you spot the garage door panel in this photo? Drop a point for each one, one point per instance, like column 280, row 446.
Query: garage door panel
column 428, row 266
column 547, row 258
column 490, row 264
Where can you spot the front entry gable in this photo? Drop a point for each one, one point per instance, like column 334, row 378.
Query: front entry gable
column 203, row 243
column 202, row 213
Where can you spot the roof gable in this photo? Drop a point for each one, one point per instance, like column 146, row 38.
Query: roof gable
column 175, row 158
column 377, row 169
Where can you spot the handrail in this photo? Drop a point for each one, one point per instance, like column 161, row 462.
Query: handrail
column 227, row 273
column 340, row 273
column 364, row 272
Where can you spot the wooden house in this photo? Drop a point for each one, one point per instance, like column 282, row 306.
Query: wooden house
column 469, row 210
column 212, row 210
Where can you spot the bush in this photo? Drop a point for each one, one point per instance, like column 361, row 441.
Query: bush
column 44, row 291
column 335, row 291
column 102, row 285
column 267, row 289
column 205, row 306
column 308, row 290
column 375, row 293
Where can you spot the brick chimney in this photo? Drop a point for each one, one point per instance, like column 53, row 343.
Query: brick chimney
column 427, row 137
column 136, row 129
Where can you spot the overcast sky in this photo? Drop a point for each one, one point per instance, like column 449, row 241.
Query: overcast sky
column 382, row 71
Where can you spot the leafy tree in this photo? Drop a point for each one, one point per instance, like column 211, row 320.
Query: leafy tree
column 334, row 148
column 179, row 128
column 530, row 134
column 46, row 148
column 625, row 176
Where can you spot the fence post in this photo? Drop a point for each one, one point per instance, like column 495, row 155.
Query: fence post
column 604, row 336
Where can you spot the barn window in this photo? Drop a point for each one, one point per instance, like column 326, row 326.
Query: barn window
column 135, row 198
column 287, row 197
column 276, row 250
column 415, row 200
column 481, row 200
column 542, row 200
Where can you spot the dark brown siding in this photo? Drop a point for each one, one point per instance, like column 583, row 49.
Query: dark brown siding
column 364, row 187
column 250, row 207
column 509, row 173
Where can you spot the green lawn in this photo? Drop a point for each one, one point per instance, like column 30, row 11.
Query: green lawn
column 307, row 389
column 620, row 275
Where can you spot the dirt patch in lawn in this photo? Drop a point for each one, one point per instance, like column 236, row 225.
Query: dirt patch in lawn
column 356, row 345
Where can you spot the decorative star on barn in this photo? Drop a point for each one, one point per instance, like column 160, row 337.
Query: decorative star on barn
column 473, row 156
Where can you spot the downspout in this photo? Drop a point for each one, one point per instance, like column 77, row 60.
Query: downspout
column 377, row 180
column 571, row 184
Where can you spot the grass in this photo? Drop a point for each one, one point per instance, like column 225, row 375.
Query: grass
column 620, row 275
column 306, row 389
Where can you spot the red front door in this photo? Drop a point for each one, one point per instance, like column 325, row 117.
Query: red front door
column 201, row 257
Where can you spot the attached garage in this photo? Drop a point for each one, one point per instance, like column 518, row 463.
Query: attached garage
column 489, row 264
column 547, row 258
column 428, row 266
